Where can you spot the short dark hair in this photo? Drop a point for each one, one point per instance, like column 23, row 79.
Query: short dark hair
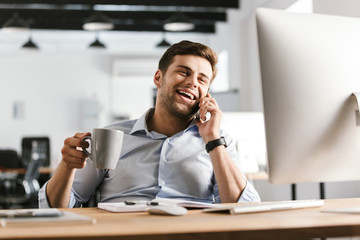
column 188, row 48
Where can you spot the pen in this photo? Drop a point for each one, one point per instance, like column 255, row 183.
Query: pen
column 129, row 203
column 153, row 203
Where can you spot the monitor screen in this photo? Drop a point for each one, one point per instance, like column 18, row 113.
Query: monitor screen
column 310, row 67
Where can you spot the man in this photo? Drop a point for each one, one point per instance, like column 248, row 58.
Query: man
column 165, row 153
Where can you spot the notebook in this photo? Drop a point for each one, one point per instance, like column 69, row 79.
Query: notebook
column 142, row 206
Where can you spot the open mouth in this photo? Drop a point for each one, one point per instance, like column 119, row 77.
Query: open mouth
column 186, row 94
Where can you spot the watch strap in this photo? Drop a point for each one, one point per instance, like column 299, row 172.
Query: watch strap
column 215, row 143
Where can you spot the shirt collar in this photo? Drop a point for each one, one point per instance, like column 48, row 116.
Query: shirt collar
column 192, row 125
column 140, row 125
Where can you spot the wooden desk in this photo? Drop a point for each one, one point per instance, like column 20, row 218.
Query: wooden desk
column 42, row 170
column 293, row 224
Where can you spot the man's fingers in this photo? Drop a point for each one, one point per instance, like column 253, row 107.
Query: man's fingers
column 76, row 165
column 81, row 135
column 69, row 151
column 84, row 144
column 76, row 141
column 74, row 161
column 72, row 142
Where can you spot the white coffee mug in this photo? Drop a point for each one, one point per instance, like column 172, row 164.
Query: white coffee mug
column 105, row 147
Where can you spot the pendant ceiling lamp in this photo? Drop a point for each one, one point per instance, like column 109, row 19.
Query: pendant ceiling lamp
column 163, row 43
column 30, row 45
column 15, row 24
column 97, row 44
column 179, row 22
column 97, row 22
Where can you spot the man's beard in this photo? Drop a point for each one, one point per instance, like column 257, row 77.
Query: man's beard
column 169, row 103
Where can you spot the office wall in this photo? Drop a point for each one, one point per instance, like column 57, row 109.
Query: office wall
column 350, row 8
column 50, row 87
column 238, row 37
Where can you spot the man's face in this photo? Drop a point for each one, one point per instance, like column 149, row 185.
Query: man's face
column 185, row 82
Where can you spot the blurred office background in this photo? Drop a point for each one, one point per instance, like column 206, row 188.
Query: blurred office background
column 64, row 86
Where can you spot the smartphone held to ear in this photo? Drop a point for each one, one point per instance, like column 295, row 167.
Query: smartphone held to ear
column 207, row 115
column 198, row 119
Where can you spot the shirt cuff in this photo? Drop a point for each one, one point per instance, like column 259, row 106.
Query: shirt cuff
column 44, row 203
column 249, row 194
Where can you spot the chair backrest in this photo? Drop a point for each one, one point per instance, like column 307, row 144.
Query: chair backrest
column 30, row 180
column 35, row 147
column 32, row 170
column 39, row 154
column 9, row 159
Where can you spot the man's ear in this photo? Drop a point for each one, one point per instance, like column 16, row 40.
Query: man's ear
column 157, row 78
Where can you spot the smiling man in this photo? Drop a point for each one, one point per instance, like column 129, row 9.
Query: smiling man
column 165, row 153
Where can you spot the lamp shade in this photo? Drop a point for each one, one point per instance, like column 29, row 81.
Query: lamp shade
column 97, row 44
column 179, row 22
column 163, row 44
column 98, row 21
column 30, row 45
column 15, row 24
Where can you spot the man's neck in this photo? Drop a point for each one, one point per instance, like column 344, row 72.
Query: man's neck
column 164, row 123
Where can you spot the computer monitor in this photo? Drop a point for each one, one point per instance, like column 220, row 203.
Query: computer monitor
column 310, row 67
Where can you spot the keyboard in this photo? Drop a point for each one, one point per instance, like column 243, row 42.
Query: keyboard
column 269, row 206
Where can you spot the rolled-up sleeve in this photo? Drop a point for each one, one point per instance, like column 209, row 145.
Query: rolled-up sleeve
column 249, row 194
column 44, row 203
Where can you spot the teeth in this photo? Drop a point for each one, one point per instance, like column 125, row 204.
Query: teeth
column 187, row 94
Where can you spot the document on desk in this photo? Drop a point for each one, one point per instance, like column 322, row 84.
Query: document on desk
column 41, row 217
column 142, row 206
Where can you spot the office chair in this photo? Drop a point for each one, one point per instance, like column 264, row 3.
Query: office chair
column 42, row 145
column 18, row 191
column 9, row 159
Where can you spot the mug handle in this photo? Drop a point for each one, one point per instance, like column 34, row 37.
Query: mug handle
column 86, row 151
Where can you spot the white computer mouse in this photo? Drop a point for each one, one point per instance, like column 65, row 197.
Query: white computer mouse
column 167, row 210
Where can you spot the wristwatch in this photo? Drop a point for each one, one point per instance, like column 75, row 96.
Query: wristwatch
column 215, row 143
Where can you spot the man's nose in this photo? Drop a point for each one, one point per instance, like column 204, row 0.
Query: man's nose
column 192, row 80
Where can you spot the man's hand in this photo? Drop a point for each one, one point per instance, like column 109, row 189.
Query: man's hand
column 72, row 155
column 59, row 186
column 209, row 130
